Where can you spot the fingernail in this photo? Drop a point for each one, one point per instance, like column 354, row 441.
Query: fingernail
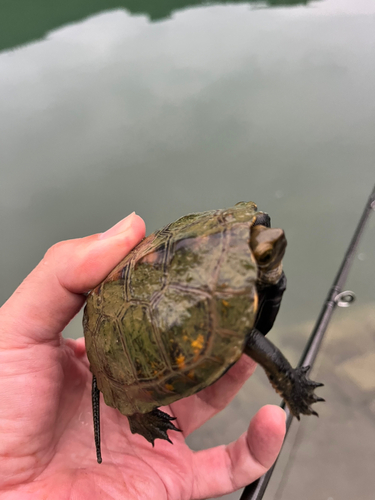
column 118, row 228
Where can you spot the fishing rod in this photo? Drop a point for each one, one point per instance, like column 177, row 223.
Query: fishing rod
column 335, row 297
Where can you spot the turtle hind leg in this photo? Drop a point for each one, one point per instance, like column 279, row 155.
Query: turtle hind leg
column 152, row 425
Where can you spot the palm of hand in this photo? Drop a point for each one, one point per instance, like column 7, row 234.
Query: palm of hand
column 60, row 459
column 47, row 445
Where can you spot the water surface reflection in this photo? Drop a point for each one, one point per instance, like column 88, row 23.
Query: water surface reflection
column 23, row 21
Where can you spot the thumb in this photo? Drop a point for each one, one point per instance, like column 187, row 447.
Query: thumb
column 52, row 294
column 224, row 469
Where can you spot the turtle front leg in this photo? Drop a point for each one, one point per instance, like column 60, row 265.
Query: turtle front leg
column 269, row 297
column 292, row 384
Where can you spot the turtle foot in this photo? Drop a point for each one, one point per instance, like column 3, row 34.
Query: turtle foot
column 152, row 425
column 299, row 392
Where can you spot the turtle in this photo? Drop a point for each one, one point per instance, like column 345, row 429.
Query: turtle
column 180, row 309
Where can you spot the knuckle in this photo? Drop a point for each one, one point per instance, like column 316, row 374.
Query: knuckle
column 57, row 249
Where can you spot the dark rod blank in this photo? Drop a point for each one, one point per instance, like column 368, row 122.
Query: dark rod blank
column 255, row 490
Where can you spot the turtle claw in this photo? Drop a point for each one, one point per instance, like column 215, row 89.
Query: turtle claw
column 152, row 425
column 315, row 384
column 298, row 392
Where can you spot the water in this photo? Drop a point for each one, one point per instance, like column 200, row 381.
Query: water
column 186, row 107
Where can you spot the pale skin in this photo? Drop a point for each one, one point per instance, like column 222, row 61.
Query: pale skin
column 46, row 435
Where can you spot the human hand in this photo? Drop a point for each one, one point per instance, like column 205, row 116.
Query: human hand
column 47, row 442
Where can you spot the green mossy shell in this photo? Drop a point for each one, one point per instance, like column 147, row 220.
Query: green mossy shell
column 172, row 317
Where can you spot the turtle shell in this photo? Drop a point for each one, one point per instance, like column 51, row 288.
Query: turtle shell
column 172, row 317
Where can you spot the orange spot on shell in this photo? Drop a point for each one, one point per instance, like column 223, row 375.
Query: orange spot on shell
column 256, row 302
column 198, row 343
column 180, row 360
column 169, row 387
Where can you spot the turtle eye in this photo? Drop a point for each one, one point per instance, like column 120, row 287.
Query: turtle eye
column 266, row 257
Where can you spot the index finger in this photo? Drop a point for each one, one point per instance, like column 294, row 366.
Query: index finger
column 52, row 294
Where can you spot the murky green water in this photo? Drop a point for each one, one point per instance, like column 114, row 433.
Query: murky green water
column 183, row 107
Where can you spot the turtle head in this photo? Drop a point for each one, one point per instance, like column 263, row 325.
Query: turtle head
column 268, row 247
